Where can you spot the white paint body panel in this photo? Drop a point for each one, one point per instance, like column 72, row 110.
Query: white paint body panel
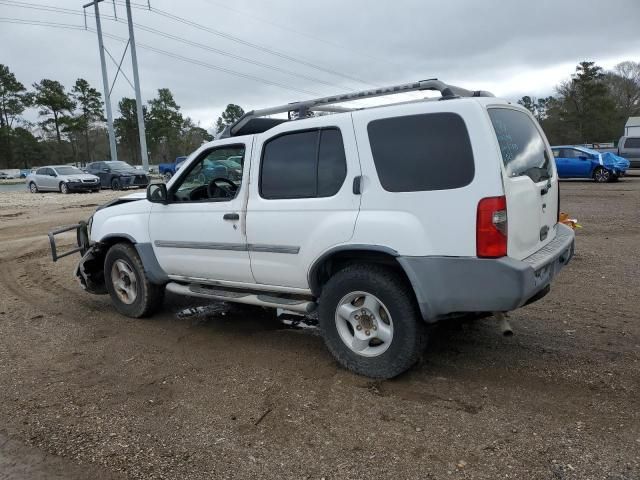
column 439, row 223
column 203, row 222
column 313, row 224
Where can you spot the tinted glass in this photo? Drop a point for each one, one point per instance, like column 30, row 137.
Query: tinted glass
column 289, row 166
column 211, row 177
column 632, row 143
column 41, row 171
column 332, row 163
column 117, row 165
column 68, row 171
column 422, row 152
column 522, row 147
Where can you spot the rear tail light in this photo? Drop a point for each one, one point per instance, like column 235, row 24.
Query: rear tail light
column 491, row 227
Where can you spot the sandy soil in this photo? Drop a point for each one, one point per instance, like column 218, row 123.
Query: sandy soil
column 202, row 392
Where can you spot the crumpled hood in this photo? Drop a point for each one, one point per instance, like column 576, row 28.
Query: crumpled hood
column 611, row 160
column 132, row 197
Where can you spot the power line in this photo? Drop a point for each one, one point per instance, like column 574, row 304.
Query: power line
column 232, row 55
column 249, row 44
column 51, row 9
column 20, row 21
column 244, row 13
column 178, row 39
column 213, row 67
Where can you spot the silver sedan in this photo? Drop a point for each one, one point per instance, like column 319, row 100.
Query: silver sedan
column 62, row 178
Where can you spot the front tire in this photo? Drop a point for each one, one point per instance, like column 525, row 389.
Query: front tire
column 115, row 184
column 131, row 292
column 371, row 322
column 64, row 188
column 601, row 175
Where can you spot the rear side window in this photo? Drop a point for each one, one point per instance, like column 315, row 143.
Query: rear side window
column 305, row 164
column 41, row 171
column 422, row 152
column 632, row 143
column 521, row 145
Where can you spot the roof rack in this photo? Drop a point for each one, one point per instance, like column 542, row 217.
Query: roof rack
column 327, row 104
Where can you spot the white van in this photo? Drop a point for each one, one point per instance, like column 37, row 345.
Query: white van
column 385, row 219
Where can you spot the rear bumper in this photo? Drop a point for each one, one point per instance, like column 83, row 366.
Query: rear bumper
column 450, row 285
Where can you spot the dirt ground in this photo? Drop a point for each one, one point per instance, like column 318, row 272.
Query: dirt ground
column 199, row 392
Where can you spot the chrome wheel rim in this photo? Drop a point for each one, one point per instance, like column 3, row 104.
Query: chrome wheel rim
column 364, row 324
column 63, row 188
column 124, row 282
column 33, row 188
column 602, row 175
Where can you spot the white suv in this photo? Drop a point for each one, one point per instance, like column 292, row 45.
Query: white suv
column 386, row 219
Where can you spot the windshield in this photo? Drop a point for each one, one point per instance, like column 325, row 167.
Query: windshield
column 118, row 165
column 69, row 171
column 521, row 145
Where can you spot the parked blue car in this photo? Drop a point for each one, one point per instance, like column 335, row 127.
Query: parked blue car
column 582, row 162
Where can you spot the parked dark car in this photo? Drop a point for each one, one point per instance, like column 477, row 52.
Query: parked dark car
column 118, row 175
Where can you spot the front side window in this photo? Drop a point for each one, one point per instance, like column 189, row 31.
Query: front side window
column 521, row 145
column 306, row 164
column 69, row 171
column 422, row 152
column 215, row 176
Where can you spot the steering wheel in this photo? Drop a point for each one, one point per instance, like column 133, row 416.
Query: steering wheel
column 213, row 189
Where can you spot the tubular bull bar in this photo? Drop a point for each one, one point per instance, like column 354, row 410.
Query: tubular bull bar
column 82, row 240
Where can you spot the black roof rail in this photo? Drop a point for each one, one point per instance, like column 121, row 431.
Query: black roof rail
column 247, row 123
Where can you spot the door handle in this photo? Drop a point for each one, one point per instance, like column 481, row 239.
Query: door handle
column 231, row 216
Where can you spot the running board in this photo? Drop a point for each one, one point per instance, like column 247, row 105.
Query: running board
column 249, row 298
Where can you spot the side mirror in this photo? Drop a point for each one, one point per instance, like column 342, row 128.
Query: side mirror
column 53, row 174
column 157, row 193
column 582, row 157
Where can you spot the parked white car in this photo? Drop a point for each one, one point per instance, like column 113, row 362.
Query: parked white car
column 61, row 178
column 385, row 219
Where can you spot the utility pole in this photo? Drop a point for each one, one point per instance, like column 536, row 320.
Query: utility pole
column 136, row 83
column 105, row 82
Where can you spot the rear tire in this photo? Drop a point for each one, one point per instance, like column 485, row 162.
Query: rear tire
column 383, row 334
column 131, row 292
column 167, row 176
column 33, row 188
column 601, row 175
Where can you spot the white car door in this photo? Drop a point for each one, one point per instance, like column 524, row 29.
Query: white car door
column 302, row 199
column 200, row 233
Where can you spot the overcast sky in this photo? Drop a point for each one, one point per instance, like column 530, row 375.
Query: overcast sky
column 510, row 47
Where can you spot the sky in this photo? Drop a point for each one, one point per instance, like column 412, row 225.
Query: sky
column 278, row 51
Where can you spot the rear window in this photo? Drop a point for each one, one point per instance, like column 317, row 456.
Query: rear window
column 521, row 145
column 422, row 152
column 632, row 143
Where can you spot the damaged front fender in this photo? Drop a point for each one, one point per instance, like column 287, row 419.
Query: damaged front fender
column 90, row 269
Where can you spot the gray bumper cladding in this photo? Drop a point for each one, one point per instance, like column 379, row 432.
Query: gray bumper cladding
column 447, row 285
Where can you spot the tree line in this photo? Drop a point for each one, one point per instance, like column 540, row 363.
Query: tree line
column 72, row 129
column 591, row 106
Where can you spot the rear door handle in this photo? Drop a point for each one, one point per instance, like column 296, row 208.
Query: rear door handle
column 231, row 216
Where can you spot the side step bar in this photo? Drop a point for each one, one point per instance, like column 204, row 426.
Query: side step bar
column 250, row 298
